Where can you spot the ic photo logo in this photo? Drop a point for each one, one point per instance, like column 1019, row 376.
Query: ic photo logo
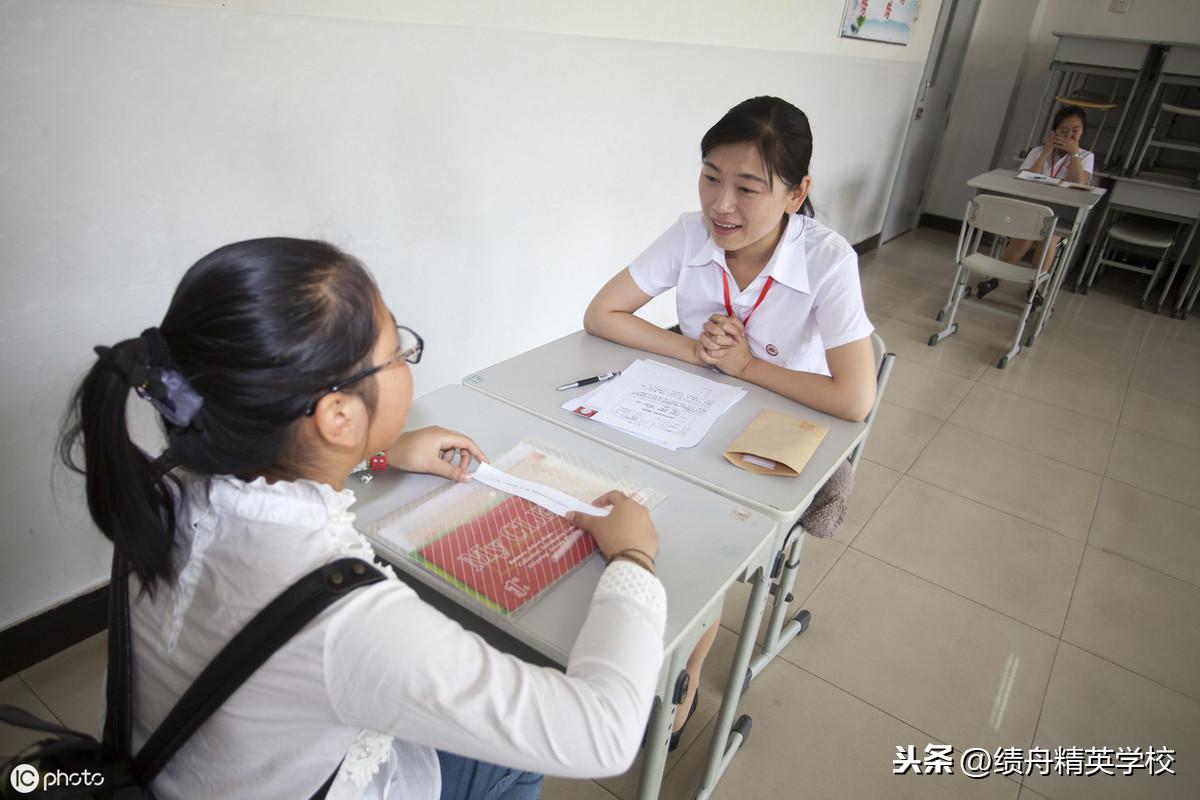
column 26, row 778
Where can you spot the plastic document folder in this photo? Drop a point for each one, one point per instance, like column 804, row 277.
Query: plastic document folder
column 505, row 547
column 658, row 403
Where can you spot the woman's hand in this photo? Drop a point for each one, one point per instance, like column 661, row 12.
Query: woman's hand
column 627, row 527
column 1066, row 144
column 731, row 351
column 717, row 335
column 433, row 450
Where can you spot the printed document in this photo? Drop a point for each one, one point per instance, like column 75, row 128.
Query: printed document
column 658, row 403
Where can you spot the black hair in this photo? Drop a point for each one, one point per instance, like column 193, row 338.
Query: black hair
column 778, row 129
column 258, row 329
column 1066, row 112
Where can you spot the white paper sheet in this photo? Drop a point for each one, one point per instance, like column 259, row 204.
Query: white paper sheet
column 658, row 403
column 1082, row 186
column 550, row 499
column 1037, row 177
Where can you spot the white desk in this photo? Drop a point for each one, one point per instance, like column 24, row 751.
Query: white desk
column 1005, row 181
column 527, row 382
column 706, row 543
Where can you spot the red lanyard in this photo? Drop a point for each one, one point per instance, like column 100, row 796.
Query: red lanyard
column 1064, row 163
column 762, row 294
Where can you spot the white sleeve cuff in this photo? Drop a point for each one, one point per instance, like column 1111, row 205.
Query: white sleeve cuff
column 628, row 580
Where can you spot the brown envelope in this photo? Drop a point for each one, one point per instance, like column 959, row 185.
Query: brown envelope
column 776, row 444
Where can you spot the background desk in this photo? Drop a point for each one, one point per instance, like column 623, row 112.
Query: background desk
column 707, row 542
column 527, row 381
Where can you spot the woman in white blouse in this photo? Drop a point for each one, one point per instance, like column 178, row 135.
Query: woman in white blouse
column 765, row 292
column 277, row 369
column 1059, row 157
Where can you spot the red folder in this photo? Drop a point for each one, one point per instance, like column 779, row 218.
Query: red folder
column 510, row 554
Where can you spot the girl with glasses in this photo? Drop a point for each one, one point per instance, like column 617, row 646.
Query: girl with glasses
column 276, row 370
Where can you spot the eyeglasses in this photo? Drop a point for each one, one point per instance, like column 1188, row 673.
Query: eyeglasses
column 410, row 350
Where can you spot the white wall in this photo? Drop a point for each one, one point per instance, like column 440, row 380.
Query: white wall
column 493, row 167
column 980, row 103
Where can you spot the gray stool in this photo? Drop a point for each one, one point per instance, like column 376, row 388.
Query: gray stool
column 1140, row 236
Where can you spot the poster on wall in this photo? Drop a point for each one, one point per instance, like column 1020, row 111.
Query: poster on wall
column 888, row 21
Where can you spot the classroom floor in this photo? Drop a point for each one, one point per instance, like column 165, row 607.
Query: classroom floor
column 1020, row 568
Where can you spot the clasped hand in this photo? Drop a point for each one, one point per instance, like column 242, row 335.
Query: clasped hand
column 723, row 344
column 433, row 450
column 1063, row 144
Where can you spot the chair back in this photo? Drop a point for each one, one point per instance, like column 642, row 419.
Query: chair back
column 883, row 370
column 1009, row 217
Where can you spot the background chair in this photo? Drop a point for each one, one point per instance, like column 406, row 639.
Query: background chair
column 1138, row 236
column 1012, row 219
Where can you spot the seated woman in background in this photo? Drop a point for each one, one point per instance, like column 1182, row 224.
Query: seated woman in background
column 1059, row 157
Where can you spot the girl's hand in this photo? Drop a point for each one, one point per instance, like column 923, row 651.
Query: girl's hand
column 627, row 527
column 1066, row 144
column 1050, row 143
column 433, row 450
column 734, row 359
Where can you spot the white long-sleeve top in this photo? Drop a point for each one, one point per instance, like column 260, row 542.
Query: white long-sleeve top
column 380, row 679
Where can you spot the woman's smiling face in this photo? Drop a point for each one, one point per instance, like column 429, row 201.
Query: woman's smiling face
column 742, row 206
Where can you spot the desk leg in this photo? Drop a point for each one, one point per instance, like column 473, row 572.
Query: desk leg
column 778, row 636
column 726, row 740
column 1194, row 282
column 1085, row 269
column 658, row 733
column 1056, row 281
column 1191, row 275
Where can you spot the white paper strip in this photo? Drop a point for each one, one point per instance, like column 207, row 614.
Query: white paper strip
column 760, row 462
column 550, row 499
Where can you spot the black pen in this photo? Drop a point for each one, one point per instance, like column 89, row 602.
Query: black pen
column 585, row 381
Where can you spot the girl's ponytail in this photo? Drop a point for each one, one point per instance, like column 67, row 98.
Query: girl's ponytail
column 128, row 493
column 255, row 332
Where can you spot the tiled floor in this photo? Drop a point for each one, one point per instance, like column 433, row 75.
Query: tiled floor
column 1020, row 567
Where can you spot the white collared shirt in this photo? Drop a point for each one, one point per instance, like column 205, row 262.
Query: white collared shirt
column 380, row 679
column 815, row 303
column 1059, row 168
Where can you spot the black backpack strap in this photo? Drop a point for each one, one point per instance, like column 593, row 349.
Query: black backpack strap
column 324, row 788
column 271, row 628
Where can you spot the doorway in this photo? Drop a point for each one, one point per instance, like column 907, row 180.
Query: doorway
column 929, row 115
